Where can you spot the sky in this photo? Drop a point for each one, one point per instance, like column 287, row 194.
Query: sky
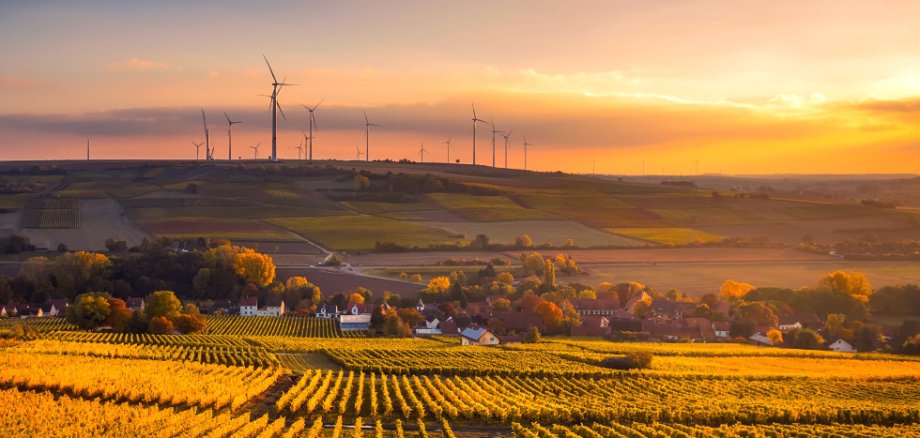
column 617, row 87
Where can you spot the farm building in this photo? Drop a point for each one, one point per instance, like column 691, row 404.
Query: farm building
column 327, row 311
column 54, row 307
column 592, row 325
column 722, row 329
column 134, row 303
column 249, row 306
column 761, row 338
column 842, row 346
column 348, row 322
column 516, row 321
column 605, row 306
column 478, row 336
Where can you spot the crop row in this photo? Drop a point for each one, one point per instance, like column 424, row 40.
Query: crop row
column 700, row 401
column 51, row 218
column 195, row 340
column 288, row 326
column 641, row 430
column 134, row 380
column 180, row 203
column 53, row 204
column 232, row 356
column 40, row 325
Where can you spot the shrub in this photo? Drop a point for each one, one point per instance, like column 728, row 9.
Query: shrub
column 632, row 360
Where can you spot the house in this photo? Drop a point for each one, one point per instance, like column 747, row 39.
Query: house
column 428, row 327
column 601, row 306
column 249, row 306
column 511, row 339
column 55, row 307
column 722, row 329
column 328, row 311
column 273, row 307
column 449, row 327
column 842, row 346
column 761, row 338
column 592, row 325
column 518, row 321
column 672, row 309
column 134, row 303
column 350, row 323
column 360, row 309
column 789, row 323
column 478, row 336
column 628, row 324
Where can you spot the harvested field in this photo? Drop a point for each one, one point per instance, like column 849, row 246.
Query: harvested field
column 233, row 229
column 552, row 231
column 419, row 258
column 100, row 219
column 890, row 227
column 275, row 247
column 333, row 281
column 362, row 232
column 680, row 255
column 667, row 236
column 697, row 278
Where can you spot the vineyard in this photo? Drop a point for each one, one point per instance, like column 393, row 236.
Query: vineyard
column 229, row 355
column 288, row 326
column 40, row 325
column 596, row 430
column 55, row 213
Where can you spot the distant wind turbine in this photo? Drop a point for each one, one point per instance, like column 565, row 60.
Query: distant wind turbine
column 506, row 136
column 494, row 131
column 475, row 120
column 230, row 124
column 358, row 149
column 308, row 139
column 207, row 136
column 367, row 137
column 255, row 150
column 299, row 148
column 276, row 89
column 421, row 152
column 197, row 148
column 448, row 147
column 87, row 149
column 312, row 120
column 526, row 144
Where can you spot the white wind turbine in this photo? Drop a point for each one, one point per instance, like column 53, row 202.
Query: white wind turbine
column 207, row 137
column 367, row 137
column 526, row 144
column 299, row 148
column 255, row 151
column 475, row 120
column 358, row 149
column 197, row 148
column 312, row 120
column 275, row 106
column 421, row 152
column 230, row 124
column 447, row 142
column 494, row 131
column 506, row 136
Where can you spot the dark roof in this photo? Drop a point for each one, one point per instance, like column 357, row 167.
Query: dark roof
column 134, row 302
column 249, row 301
column 449, row 327
column 598, row 304
column 273, row 302
column 519, row 321
column 671, row 307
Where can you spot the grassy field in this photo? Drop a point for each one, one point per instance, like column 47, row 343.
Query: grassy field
column 362, row 232
column 667, row 236
column 555, row 232
column 195, row 227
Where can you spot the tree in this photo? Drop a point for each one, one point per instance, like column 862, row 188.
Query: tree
column 852, row 284
column 89, row 310
column 569, row 243
column 833, row 325
column 361, row 183
column 438, row 285
column 532, row 336
column 119, row 315
column 756, row 312
column 549, row 275
column 733, row 290
column 775, row 336
column 551, row 314
column 160, row 326
column 254, row 267
column 523, row 241
column 416, row 278
column 807, row 339
column 532, row 263
column 505, row 278
column 162, row 303
column 501, row 304
column 190, row 320
column 480, row 242
column 355, row 298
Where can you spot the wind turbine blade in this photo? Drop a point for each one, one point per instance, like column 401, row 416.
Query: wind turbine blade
column 282, row 111
column 318, row 104
column 313, row 119
column 366, row 121
column 474, row 109
column 270, row 68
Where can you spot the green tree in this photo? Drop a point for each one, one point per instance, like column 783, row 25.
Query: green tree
column 807, row 339
column 532, row 336
column 834, row 325
column 549, row 275
column 162, row 303
column 757, row 313
column 90, row 310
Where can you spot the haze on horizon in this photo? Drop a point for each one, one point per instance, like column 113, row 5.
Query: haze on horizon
column 745, row 88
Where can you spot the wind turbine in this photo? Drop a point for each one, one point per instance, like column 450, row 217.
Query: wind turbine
column 525, row 152
column 207, row 136
column 507, row 135
column 276, row 89
column 255, row 150
column 475, row 119
column 87, row 149
column 299, row 148
column 197, row 148
column 312, row 119
column 308, row 140
column 494, row 131
column 448, row 147
column 421, row 152
column 367, row 137
column 358, row 149
column 230, row 124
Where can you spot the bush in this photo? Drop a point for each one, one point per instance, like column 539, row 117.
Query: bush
column 633, row 360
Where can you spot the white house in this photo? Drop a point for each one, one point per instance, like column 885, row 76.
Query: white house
column 842, row 346
column 431, row 328
column 327, row 311
column 761, row 338
column 355, row 322
column 477, row 336
column 249, row 306
column 722, row 329
column 788, row 325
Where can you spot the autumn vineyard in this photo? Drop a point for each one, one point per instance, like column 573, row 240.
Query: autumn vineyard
column 271, row 377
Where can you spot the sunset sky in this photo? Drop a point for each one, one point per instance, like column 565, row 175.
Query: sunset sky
column 743, row 87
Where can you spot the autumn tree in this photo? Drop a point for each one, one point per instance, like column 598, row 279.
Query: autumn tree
column 734, row 290
column 532, row 263
column 807, row 339
column 551, row 314
column 361, row 183
column 758, row 313
column 299, row 293
column 532, row 336
column 160, row 326
column 438, row 285
column 119, row 315
column 775, row 336
column 254, row 267
column 89, row 310
column 852, row 284
column 549, row 275
column 523, row 241
column 501, row 305
column 834, row 325
column 162, row 303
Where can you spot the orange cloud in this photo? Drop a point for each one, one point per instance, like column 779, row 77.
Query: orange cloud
column 137, row 64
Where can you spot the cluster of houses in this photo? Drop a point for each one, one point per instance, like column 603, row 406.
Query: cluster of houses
column 50, row 308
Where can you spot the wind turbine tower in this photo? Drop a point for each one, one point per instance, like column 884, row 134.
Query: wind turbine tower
column 255, row 150
column 494, row 131
column 448, row 147
column 87, row 149
column 276, row 89
column 475, row 120
column 230, row 124
column 506, row 136
column 367, row 137
column 207, row 137
column 197, row 149
column 312, row 120
column 526, row 144
column 421, row 152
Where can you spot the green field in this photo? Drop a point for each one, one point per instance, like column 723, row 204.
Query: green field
column 214, row 228
column 667, row 236
column 362, row 232
column 554, row 232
